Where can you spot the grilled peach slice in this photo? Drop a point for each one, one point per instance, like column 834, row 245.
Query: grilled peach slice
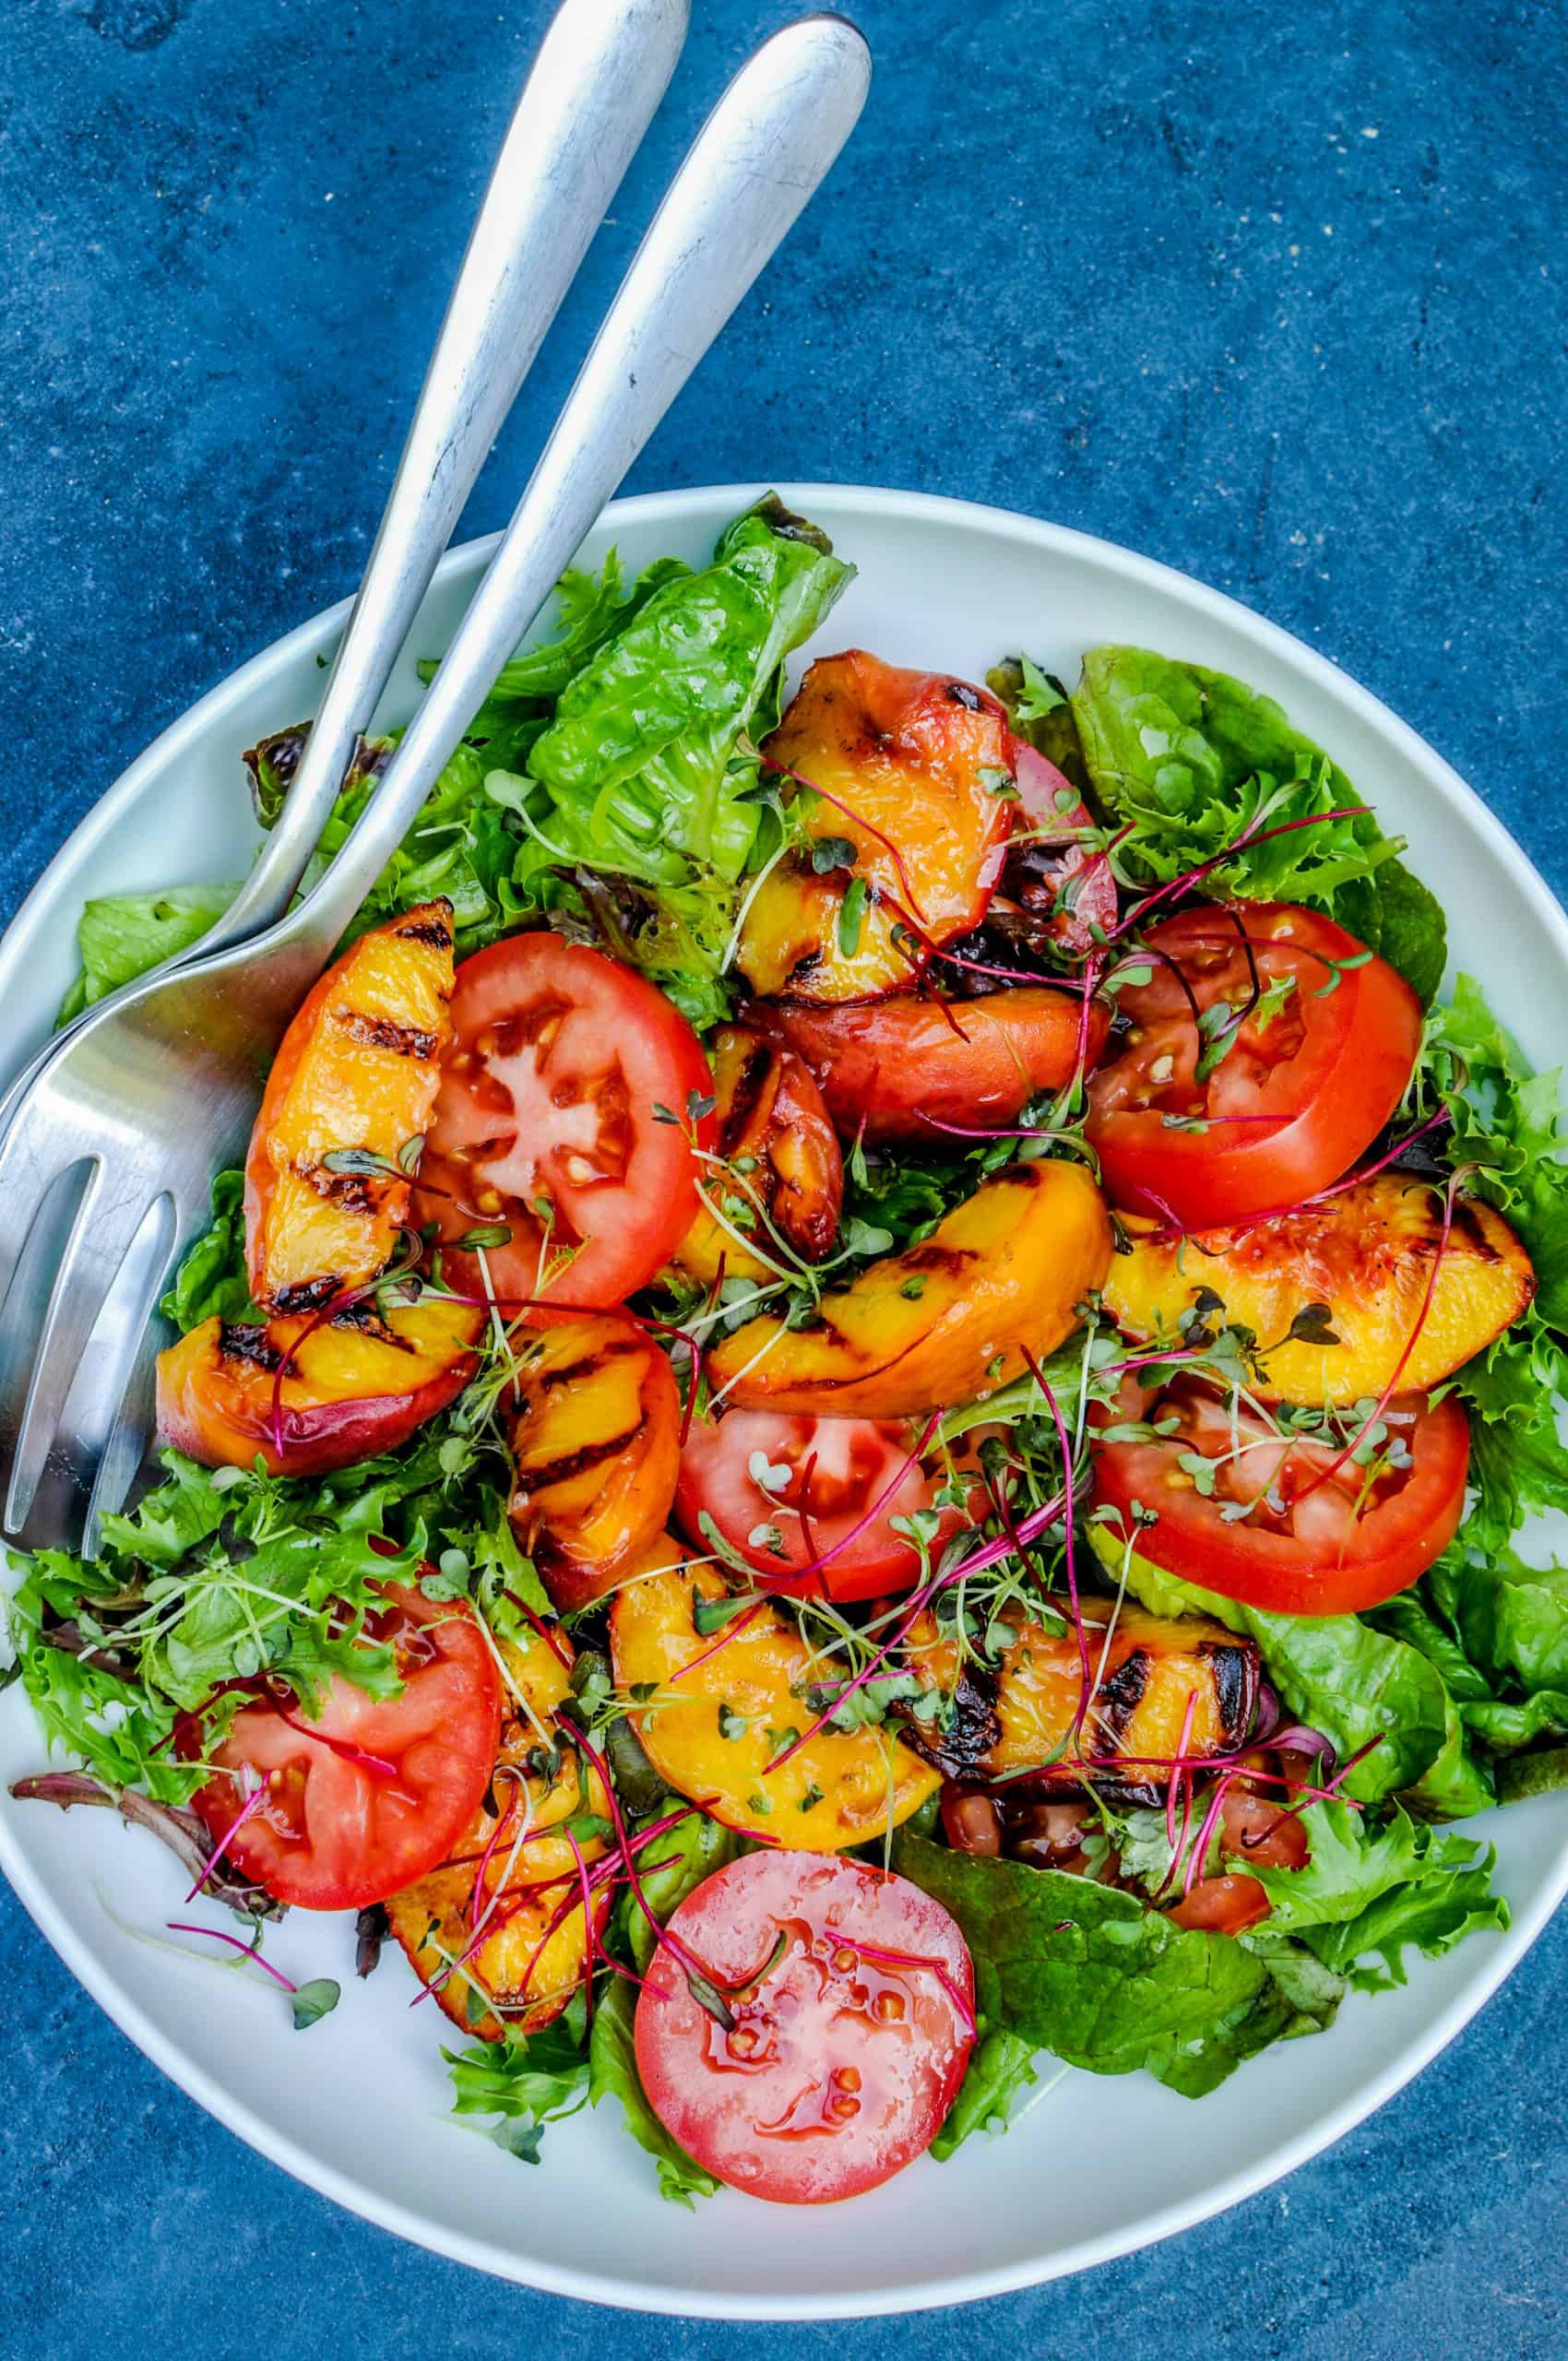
column 353, row 1082
column 573, row 1583
column 723, row 1705
column 355, row 1383
column 596, row 1445
column 786, row 1174
column 917, row 766
column 1368, row 1255
column 904, row 1068
column 946, row 1321
column 512, row 1880
column 1019, row 1716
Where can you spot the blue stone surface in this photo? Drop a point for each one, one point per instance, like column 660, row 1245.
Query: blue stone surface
column 1276, row 295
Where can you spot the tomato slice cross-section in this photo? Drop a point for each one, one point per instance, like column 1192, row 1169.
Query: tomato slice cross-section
column 564, row 1119
column 848, row 1997
column 1266, row 1051
column 375, row 1791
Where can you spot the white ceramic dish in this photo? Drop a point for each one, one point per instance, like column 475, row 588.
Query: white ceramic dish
column 358, row 2108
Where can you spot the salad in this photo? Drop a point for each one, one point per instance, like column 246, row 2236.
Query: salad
column 865, row 1410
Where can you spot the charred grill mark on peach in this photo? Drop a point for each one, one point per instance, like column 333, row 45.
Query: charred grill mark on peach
column 959, row 1751
column 308, row 1295
column 581, row 1462
column 756, row 1070
column 431, row 932
column 1118, row 1698
column 328, row 1104
column 385, row 1033
column 351, row 1192
column 571, row 1374
column 1235, row 1676
column 595, row 1442
column 245, row 1341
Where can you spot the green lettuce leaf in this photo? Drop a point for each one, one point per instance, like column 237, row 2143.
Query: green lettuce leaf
column 211, row 1280
column 1509, row 1123
column 688, row 1852
column 1192, row 759
column 1497, row 1629
column 1352, row 1681
column 999, row 2069
column 591, row 609
column 646, row 772
column 1540, row 1774
column 1375, row 1889
column 1092, row 1976
column 640, row 759
column 612, row 2073
column 120, row 936
column 520, row 2083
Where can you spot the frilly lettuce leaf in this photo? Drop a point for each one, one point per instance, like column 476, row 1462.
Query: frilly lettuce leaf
column 1511, row 1124
column 1376, row 1887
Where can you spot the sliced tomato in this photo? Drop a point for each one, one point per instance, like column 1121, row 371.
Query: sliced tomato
column 851, row 1996
column 1267, row 1050
column 785, row 1492
column 374, row 1792
column 1227, row 1904
column 1275, row 1523
column 907, row 1068
column 1257, row 1823
column 548, row 1126
column 1054, row 870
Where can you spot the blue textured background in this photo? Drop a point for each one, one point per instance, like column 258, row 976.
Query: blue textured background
column 1274, row 294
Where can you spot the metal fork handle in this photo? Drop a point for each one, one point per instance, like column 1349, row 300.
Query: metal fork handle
column 759, row 158
column 594, row 88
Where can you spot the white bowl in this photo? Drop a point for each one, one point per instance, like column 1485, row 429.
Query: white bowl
column 358, row 2107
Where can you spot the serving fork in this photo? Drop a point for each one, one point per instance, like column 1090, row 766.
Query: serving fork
column 107, row 1162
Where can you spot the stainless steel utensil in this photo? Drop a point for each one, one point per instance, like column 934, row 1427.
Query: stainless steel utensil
column 591, row 93
column 157, row 1091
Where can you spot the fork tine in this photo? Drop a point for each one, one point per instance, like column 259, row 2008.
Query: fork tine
column 32, row 1167
column 33, row 1255
column 105, row 1227
column 99, row 1444
column 128, row 1439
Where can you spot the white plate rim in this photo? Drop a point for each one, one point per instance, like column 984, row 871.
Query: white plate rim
column 1164, row 2222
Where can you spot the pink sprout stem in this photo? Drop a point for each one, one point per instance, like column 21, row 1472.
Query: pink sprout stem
column 770, row 763
column 988, row 1555
column 246, row 1951
column 949, row 1984
column 1248, row 838
column 252, row 1803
